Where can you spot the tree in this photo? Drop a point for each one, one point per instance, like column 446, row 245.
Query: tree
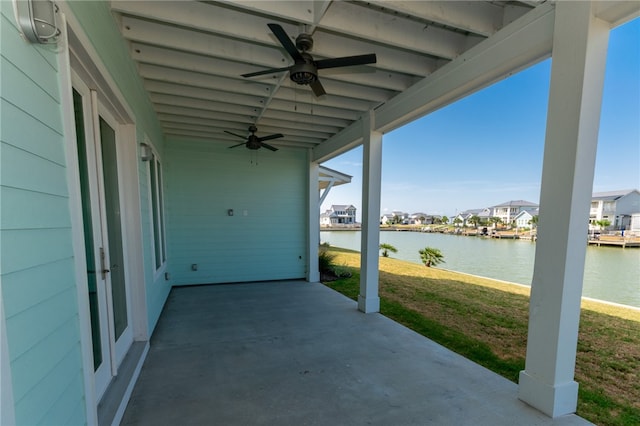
column 534, row 221
column 396, row 219
column 603, row 223
column 386, row 248
column 474, row 220
column 431, row 256
column 457, row 221
column 445, row 219
column 495, row 220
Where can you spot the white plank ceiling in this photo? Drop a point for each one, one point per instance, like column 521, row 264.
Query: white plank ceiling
column 191, row 55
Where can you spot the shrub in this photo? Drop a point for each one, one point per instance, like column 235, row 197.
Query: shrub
column 431, row 256
column 386, row 248
column 325, row 259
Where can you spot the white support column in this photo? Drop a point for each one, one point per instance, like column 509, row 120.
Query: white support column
column 577, row 76
column 313, row 269
column 368, row 300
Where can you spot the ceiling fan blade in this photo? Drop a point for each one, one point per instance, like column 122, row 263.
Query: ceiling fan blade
column 285, row 41
column 317, row 88
column 269, row 71
column 268, row 138
column 243, row 143
column 235, row 134
column 346, row 61
column 272, row 148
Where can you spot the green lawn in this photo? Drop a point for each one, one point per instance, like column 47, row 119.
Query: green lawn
column 486, row 321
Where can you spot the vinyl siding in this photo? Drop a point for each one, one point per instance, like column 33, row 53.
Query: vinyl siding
column 38, row 282
column 204, row 181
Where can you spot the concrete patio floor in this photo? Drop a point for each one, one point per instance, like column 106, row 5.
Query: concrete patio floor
column 294, row 353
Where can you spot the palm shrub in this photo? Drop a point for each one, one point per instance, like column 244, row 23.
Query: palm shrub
column 386, row 248
column 431, row 256
column 325, row 259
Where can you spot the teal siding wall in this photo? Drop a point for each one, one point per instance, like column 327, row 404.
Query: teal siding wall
column 100, row 27
column 203, row 181
column 38, row 282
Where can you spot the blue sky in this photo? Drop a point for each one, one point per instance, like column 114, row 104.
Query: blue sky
column 487, row 148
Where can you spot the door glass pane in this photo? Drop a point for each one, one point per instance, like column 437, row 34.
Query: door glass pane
column 114, row 226
column 163, row 244
column 88, row 230
column 154, row 212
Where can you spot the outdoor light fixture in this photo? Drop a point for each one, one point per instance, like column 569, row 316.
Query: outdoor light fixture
column 37, row 20
column 146, row 154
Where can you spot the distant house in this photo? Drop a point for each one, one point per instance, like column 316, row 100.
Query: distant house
column 509, row 210
column 523, row 219
column 402, row 217
column 386, row 219
column 482, row 214
column 635, row 223
column 394, row 217
column 339, row 214
column 420, row 219
column 617, row 207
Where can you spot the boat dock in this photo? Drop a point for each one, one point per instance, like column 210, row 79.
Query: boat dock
column 615, row 240
column 505, row 235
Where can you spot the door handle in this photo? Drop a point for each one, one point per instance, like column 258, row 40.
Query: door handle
column 103, row 264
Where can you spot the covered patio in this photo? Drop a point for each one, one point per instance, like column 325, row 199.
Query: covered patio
column 298, row 353
column 119, row 187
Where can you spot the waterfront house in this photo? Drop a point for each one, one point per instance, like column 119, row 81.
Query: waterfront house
column 395, row 217
column 508, row 211
column 339, row 214
column 400, row 216
column 617, row 207
column 119, row 184
column 463, row 217
column 386, row 219
column 420, row 219
column 482, row 214
column 634, row 226
column 523, row 219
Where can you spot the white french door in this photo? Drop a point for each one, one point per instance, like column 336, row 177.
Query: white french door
column 97, row 138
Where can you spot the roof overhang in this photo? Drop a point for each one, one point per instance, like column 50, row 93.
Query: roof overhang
column 191, row 55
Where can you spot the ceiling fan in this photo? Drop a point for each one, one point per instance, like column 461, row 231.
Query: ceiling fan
column 305, row 69
column 254, row 142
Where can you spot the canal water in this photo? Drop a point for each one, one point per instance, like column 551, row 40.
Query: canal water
column 611, row 273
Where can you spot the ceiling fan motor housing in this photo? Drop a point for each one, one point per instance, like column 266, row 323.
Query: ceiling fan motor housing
column 304, row 72
column 253, row 142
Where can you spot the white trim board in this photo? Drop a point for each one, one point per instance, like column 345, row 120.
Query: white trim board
column 77, row 53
